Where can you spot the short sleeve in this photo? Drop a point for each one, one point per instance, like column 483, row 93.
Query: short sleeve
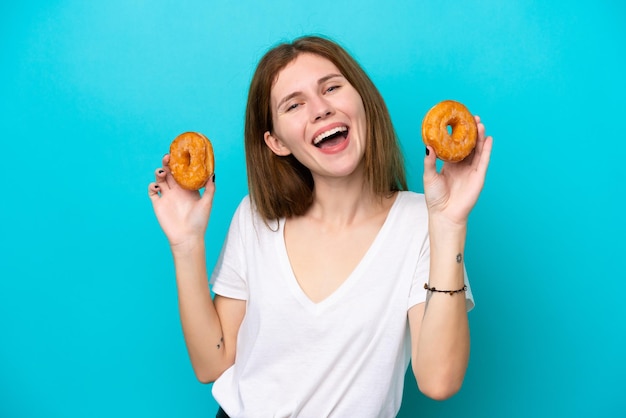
column 229, row 276
column 418, row 293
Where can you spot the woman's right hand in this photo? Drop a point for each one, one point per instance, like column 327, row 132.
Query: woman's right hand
column 182, row 214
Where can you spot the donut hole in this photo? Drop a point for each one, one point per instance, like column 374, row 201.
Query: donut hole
column 449, row 129
column 186, row 158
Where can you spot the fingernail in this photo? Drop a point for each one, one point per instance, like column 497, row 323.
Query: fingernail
column 161, row 171
column 213, row 178
column 156, row 186
column 427, row 151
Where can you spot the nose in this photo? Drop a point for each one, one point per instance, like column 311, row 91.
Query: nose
column 323, row 115
column 321, row 109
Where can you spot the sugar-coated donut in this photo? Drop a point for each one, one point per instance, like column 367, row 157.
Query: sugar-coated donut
column 191, row 160
column 458, row 144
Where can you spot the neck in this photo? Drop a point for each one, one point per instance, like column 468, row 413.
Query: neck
column 344, row 201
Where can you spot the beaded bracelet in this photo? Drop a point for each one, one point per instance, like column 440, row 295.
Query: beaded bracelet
column 450, row 292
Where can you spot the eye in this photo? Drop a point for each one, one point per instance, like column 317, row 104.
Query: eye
column 332, row 88
column 291, row 107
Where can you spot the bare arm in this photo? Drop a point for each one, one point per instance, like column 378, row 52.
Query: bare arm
column 439, row 328
column 210, row 328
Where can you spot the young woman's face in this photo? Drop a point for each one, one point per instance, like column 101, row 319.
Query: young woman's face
column 318, row 117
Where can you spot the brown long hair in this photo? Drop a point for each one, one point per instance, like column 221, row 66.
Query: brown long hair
column 280, row 186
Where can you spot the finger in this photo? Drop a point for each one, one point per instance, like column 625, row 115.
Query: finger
column 161, row 177
column 164, row 178
column 485, row 155
column 430, row 163
column 480, row 141
column 481, row 129
column 168, row 172
column 209, row 191
column 166, row 161
column 153, row 191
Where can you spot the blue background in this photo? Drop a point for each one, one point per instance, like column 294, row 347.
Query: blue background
column 93, row 92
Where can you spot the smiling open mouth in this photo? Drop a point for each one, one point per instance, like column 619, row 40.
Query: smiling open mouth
column 331, row 137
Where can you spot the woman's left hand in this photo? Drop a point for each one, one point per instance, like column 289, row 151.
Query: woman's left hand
column 453, row 192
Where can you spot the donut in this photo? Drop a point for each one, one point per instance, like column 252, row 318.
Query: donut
column 191, row 160
column 458, row 144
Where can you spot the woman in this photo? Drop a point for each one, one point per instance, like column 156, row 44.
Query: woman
column 320, row 301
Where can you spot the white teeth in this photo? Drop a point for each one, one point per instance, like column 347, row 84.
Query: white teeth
column 328, row 133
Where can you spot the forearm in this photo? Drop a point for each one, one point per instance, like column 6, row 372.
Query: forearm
column 200, row 321
column 441, row 356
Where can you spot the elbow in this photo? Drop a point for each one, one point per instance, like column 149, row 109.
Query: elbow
column 204, row 378
column 208, row 373
column 439, row 392
column 439, row 386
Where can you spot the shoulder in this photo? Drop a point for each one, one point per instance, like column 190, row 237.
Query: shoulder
column 244, row 205
column 248, row 217
column 411, row 200
column 246, row 209
column 409, row 210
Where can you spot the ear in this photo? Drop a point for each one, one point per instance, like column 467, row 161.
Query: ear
column 276, row 145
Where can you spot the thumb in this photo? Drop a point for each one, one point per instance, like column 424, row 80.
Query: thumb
column 430, row 163
column 209, row 191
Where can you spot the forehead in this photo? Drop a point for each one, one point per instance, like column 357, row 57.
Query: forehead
column 302, row 72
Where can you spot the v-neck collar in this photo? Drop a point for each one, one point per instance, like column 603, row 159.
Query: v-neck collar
column 349, row 282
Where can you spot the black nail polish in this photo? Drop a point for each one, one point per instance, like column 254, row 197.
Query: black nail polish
column 161, row 171
column 213, row 178
column 427, row 151
column 156, row 186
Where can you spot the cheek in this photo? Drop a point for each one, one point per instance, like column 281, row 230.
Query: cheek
column 290, row 129
column 359, row 113
column 355, row 103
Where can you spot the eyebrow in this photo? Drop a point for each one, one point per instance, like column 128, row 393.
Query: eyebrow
column 297, row 93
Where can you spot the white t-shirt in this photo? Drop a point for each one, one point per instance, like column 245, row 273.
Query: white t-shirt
column 345, row 356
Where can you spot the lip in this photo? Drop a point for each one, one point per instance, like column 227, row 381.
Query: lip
column 328, row 128
column 337, row 148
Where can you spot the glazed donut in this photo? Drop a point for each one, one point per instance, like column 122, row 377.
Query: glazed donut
column 453, row 146
column 191, row 160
